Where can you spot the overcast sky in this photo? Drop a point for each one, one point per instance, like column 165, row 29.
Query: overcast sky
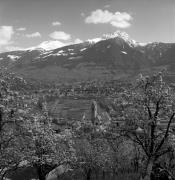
column 54, row 23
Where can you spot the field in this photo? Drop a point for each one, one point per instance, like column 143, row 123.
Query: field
column 71, row 109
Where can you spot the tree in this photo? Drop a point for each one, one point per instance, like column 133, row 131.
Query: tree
column 26, row 133
column 46, row 149
column 94, row 154
column 12, row 143
column 144, row 109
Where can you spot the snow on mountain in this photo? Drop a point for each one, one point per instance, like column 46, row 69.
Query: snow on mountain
column 70, row 49
column 13, row 57
column 124, row 52
column 36, row 49
column 61, row 51
column 76, row 57
column 83, row 49
column 120, row 35
column 125, row 37
column 111, row 56
column 47, row 52
column 95, row 40
column 142, row 44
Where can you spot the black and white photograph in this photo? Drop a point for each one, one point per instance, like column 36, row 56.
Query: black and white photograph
column 87, row 89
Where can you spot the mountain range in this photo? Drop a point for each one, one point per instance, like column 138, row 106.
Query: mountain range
column 111, row 57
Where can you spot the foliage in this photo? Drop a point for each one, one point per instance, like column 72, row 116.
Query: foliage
column 12, row 143
column 27, row 136
column 144, row 108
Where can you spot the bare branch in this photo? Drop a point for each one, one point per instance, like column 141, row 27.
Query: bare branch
column 157, row 109
column 153, row 125
column 138, row 141
column 163, row 152
column 149, row 112
column 142, row 145
column 166, row 133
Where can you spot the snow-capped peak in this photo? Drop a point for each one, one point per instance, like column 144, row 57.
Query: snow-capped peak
column 95, row 40
column 124, row 36
column 117, row 34
column 35, row 48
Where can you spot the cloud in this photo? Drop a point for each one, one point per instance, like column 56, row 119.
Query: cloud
column 56, row 23
column 6, row 33
column 60, row 35
column 33, row 35
column 53, row 44
column 21, row 29
column 117, row 19
column 78, row 41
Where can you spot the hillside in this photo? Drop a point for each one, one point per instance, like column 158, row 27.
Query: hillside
column 111, row 57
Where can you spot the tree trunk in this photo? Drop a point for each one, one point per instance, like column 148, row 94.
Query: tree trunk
column 89, row 174
column 148, row 170
column 41, row 174
column 103, row 178
column 114, row 173
column 96, row 174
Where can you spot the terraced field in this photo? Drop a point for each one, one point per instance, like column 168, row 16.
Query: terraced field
column 71, row 109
